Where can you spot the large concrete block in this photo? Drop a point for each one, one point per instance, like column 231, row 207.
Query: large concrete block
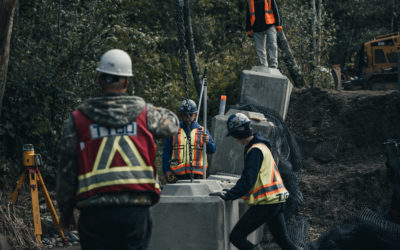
column 228, row 159
column 188, row 218
column 227, row 182
column 265, row 87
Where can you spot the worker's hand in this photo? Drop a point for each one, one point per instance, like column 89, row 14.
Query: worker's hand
column 220, row 194
column 170, row 177
column 250, row 34
column 278, row 28
column 206, row 138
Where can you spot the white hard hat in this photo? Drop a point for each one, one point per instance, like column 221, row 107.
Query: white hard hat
column 115, row 62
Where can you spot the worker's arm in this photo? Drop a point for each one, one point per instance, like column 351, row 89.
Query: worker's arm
column 210, row 148
column 161, row 122
column 167, row 154
column 248, row 27
column 249, row 175
column 67, row 174
column 277, row 14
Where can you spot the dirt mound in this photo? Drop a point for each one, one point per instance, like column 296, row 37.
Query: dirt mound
column 341, row 136
column 331, row 124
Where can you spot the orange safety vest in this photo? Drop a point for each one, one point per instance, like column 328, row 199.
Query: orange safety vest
column 269, row 187
column 269, row 14
column 180, row 162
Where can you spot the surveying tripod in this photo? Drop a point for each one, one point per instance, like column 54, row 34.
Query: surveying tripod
column 32, row 162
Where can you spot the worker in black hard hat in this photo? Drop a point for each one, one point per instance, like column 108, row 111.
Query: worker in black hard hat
column 260, row 186
column 179, row 161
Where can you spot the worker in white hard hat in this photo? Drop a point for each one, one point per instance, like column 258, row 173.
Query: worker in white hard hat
column 107, row 155
column 260, row 186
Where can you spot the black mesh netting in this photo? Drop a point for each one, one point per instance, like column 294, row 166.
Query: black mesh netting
column 366, row 231
column 297, row 228
column 286, row 153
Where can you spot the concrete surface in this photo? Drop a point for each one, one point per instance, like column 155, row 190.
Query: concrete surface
column 228, row 159
column 265, row 87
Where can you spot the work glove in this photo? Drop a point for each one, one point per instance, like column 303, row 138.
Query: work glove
column 250, row 34
column 278, row 28
column 220, row 194
column 170, row 177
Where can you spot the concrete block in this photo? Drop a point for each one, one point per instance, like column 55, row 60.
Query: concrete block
column 188, row 218
column 227, row 182
column 265, row 87
column 228, row 159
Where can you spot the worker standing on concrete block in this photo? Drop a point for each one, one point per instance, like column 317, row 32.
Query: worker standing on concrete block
column 179, row 161
column 107, row 156
column 260, row 186
column 262, row 22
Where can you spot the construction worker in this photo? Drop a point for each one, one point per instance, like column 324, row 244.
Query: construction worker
column 260, row 186
column 106, row 167
column 179, row 161
column 263, row 21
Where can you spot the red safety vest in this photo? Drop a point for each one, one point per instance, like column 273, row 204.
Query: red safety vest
column 180, row 162
column 115, row 159
column 269, row 14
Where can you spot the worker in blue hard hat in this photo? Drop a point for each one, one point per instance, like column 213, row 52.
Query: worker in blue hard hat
column 181, row 161
column 260, row 186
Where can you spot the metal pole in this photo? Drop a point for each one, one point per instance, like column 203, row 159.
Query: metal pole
column 201, row 97
column 205, row 131
column 398, row 69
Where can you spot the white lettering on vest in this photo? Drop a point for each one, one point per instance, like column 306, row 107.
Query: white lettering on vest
column 97, row 131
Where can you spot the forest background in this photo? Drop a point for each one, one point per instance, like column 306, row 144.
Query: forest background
column 56, row 45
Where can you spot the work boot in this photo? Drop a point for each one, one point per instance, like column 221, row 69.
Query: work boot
column 258, row 247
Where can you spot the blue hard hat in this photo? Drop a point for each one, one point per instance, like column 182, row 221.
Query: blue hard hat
column 238, row 125
column 188, row 106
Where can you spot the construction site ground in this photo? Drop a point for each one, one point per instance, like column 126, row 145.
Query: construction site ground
column 341, row 135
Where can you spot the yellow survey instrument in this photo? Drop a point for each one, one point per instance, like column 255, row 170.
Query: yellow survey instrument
column 31, row 162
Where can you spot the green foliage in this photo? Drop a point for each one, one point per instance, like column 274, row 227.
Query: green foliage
column 56, row 45
column 297, row 27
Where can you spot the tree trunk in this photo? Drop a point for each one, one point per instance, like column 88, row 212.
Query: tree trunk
column 7, row 8
column 290, row 61
column 313, row 46
column 319, row 32
column 191, row 48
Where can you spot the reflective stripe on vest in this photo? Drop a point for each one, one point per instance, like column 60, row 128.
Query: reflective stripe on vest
column 180, row 163
column 269, row 14
column 115, row 159
column 134, row 172
column 269, row 187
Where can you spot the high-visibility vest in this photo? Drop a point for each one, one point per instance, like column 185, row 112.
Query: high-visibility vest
column 180, row 160
column 115, row 159
column 269, row 188
column 269, row 14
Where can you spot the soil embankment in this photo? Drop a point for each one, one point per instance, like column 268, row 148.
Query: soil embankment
column 341, row 135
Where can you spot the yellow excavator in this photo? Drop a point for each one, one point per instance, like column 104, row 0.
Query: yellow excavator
column 378, row 64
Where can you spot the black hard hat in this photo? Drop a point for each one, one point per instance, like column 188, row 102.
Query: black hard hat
column 238, row 125
column 188, row 106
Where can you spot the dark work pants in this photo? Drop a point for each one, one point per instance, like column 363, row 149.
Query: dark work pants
column 255, row 217
column 116, row 227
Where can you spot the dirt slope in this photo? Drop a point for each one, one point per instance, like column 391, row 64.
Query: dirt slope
column 341, row 135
